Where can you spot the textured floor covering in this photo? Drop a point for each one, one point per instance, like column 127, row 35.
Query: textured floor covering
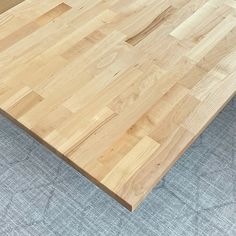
column 41, row 195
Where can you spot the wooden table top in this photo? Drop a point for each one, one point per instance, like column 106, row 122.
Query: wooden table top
column 117, row 88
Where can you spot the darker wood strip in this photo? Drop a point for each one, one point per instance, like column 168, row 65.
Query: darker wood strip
column 52, row 14
column 8, row 4
column 84, row 45
column 153, row 26
column 17, row 35
column 25, row 104
column 31, row 27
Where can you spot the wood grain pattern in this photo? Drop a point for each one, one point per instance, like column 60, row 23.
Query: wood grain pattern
column 119, row 89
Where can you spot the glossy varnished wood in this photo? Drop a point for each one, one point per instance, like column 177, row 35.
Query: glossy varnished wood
column 119, row 89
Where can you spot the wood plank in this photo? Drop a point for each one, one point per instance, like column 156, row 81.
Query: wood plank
column 119, row 89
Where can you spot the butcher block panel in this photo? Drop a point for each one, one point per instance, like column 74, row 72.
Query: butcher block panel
column 118, row 89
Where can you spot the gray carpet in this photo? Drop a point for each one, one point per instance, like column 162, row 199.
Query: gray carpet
column 41, row 195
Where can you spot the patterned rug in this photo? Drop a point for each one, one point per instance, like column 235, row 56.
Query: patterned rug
column 42, row 195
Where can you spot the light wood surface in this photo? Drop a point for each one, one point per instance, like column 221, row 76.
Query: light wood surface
column 117, row 88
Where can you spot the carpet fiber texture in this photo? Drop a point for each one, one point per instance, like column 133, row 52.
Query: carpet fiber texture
column 42, row 195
